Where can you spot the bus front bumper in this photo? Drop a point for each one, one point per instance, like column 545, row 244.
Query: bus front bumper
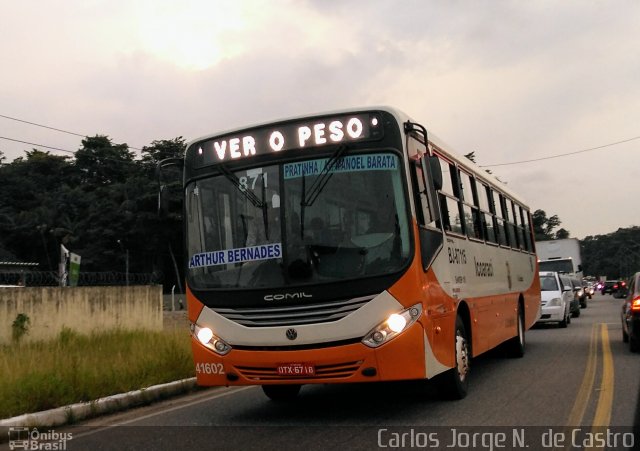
column 402, row 358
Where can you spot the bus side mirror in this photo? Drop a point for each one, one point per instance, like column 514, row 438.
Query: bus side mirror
column 163, row 190
column 436, row 172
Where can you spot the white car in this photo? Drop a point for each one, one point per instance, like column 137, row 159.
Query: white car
column 556, row 300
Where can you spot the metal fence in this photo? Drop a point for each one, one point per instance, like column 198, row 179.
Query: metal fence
column 50, row 278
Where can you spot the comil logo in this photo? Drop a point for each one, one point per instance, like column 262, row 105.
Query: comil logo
column 287, row 296
column 32, row 439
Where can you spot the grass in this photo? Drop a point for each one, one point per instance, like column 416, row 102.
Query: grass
column 74, row 368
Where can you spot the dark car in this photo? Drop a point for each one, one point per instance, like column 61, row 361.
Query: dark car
column 621, row 292
column 631, row 314
column 610, row 287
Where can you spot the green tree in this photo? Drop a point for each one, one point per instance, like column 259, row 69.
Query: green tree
column 543, row 226
column 99, row 205
column 168, row 230
column 30, row 205
column 100, row 162
column 614, row 255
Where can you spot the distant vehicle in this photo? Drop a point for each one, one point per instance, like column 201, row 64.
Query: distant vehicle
column 631, row 314
column 556, row 299
column 622, row 289
column 567, row 285
column 609, row 287
column 560, row 256
column 590, row 289
column 580, row 294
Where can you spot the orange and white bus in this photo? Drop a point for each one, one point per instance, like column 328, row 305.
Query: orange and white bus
column 350, row 246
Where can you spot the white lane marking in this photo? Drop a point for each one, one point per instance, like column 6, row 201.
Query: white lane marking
column 231, row 391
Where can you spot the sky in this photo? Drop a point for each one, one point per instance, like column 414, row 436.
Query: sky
column 509, row 80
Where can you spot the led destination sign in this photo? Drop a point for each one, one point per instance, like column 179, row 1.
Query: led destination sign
column 297, row 135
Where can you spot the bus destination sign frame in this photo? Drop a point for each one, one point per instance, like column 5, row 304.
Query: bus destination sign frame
column 274, row 139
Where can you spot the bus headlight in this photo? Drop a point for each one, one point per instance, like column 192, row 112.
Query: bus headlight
column 392, row 326
column 210, row 340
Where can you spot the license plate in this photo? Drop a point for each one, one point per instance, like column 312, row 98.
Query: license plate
column 296, row 369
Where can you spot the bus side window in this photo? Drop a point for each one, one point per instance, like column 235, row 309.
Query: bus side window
column 486, row 218
column 528, row 237
column 471, row 213
column 509, row 221
column 450, row 208
column 498, row 221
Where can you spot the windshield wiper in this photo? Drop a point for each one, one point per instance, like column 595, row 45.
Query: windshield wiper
column 250, row 196
column 265, row 218
column 323, row 178
column 235, row 181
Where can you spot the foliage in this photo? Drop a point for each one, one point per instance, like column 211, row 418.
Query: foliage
column 75, row 368
column 543, row 226
column 89, row 202
column 20, row 326
column 615, row 255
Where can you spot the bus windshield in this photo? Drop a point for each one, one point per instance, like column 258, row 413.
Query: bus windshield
column 298, row 223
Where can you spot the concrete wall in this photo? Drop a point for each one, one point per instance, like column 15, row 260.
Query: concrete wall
column 83, row 309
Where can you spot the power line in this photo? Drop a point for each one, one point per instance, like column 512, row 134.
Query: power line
column 56, row 148
column 561, row 154
column 39, row 145
column 52, row 128
column 43, row 126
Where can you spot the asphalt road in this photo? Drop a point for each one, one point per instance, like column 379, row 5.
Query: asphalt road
column 569, row 382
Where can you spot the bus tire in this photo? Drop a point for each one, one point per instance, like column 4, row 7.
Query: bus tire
column 280, row 393
column 515, row 345
column 455, row 382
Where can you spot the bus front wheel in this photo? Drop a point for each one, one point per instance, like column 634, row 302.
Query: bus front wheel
column 455, row 382
column 281, row 392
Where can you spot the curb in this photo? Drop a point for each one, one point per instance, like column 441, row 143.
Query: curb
column 81, row 411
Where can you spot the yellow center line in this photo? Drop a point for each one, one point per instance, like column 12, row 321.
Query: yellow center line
column 584, row 393
column 602, row 417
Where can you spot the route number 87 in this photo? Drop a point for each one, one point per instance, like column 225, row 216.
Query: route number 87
column 249, row 182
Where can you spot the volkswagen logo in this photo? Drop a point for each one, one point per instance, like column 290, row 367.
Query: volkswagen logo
column 292, row 334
